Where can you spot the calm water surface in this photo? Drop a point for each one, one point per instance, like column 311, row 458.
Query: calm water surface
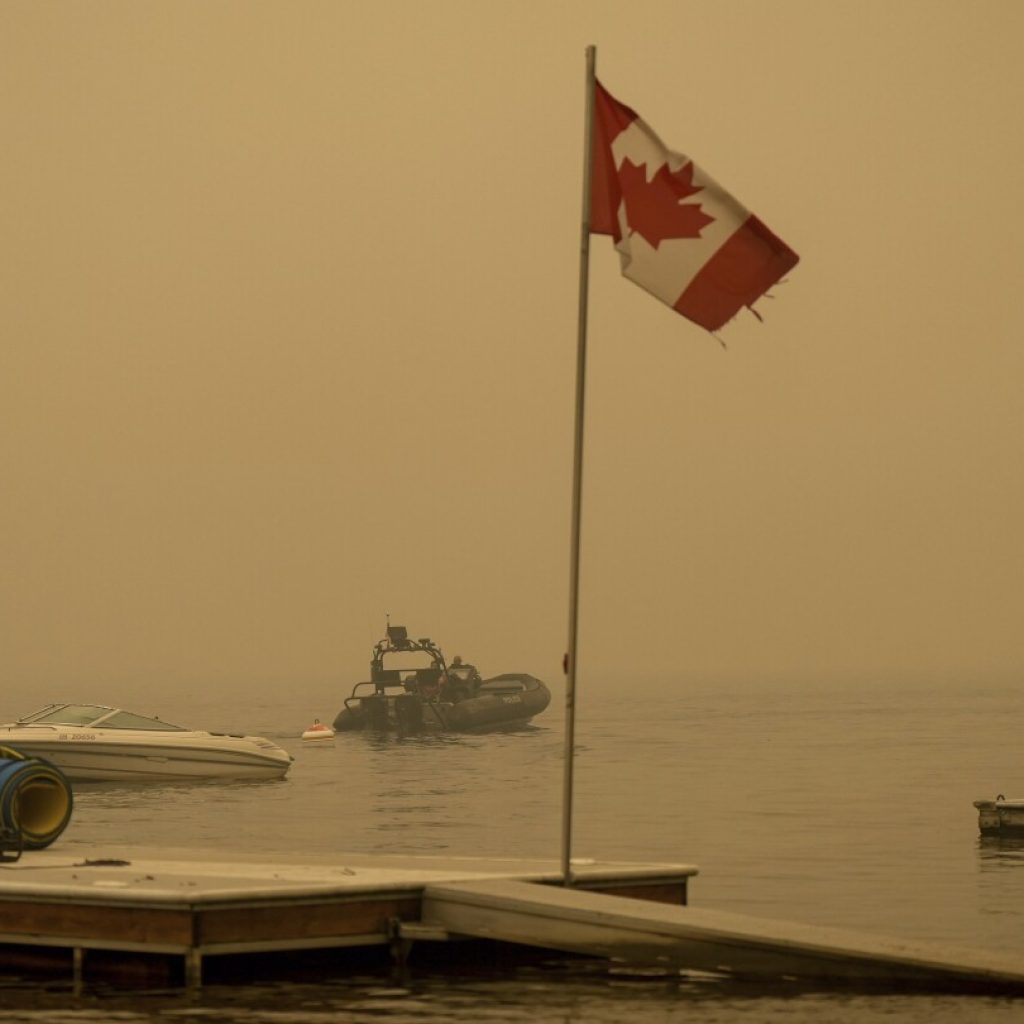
column 845, row 806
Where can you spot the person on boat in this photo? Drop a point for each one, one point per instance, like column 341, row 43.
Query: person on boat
column 430, row 682
column 464, row 669
column 453, row 689
column 463, row 679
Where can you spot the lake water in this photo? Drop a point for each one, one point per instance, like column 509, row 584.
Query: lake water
column 848, row 806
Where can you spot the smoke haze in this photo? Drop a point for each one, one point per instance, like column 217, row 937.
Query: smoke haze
column 288, row 298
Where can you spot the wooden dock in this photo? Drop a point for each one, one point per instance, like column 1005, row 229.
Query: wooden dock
column 101, row 912
column 80, row 909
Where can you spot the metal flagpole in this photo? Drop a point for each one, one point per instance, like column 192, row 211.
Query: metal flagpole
column 577, row 477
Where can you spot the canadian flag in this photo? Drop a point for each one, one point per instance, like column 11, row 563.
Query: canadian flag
column 679, row 234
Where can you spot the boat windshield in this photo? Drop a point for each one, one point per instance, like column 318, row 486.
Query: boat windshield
column 126, row 720
column 98, row 716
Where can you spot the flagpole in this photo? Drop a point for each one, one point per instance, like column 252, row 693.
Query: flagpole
column 577, row 477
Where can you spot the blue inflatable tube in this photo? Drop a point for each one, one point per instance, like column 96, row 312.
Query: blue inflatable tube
column 35, row 799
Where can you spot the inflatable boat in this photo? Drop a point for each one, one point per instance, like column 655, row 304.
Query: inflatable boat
column 427, row 693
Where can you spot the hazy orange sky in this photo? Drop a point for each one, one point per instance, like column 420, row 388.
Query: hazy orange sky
column 288, row 302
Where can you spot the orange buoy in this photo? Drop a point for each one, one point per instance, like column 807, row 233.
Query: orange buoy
column 318, row 731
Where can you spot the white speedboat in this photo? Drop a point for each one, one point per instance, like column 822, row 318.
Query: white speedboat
column 92, row 743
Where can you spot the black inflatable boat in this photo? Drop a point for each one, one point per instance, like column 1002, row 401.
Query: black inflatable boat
column 436, row 695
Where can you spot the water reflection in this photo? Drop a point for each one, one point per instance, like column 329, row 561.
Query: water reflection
column 997, row 852
column 569, row 992
column 154, row 790
column 388, row 741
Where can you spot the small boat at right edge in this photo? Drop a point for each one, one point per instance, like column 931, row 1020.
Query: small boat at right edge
column 1000, row 817
column 425, row 693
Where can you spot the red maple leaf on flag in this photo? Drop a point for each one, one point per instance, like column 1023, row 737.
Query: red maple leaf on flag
column 655, row 208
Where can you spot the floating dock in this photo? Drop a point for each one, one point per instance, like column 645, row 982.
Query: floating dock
column 102, row 912
column 126, row 913
column 1000, row 817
